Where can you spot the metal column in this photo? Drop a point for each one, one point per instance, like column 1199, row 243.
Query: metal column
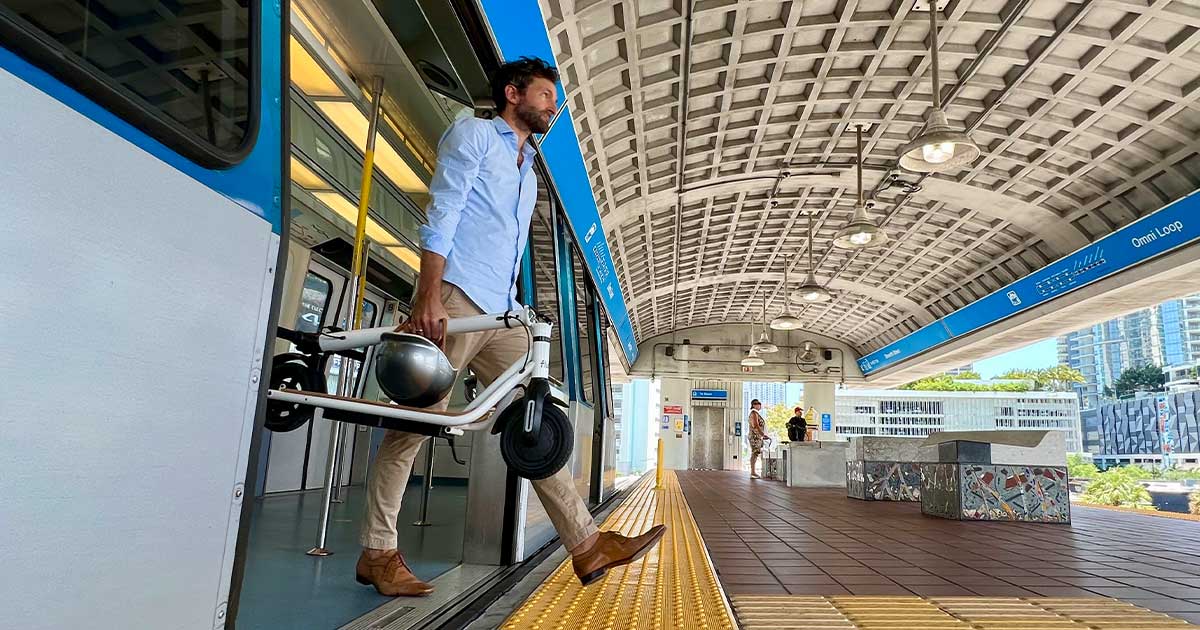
column 426, row 485
column 347, row 385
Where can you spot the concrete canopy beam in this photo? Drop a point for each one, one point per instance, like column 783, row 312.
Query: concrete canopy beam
column 715, row 352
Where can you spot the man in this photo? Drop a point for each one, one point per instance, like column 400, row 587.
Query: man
column 797, row 428
column 758, row 429
column 483, row 193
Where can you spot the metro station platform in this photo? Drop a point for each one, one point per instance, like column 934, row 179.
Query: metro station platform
column 745, row 553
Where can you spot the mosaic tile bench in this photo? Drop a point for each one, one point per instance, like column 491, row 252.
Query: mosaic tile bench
column 884, row 469
column 965, row 484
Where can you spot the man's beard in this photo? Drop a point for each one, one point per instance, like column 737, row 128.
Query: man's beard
column 533, row 118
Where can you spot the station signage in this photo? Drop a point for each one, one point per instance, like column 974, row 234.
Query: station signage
column 1156, row 234
column 710, row 394
column 520, row 30
column 673, row 410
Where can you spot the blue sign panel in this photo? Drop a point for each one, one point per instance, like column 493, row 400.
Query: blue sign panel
column 826, row 422
column 911, row 345
column 520, row 30
column 1171, row 227
column 710, row 394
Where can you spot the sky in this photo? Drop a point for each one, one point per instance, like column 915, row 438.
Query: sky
column 1039, row 355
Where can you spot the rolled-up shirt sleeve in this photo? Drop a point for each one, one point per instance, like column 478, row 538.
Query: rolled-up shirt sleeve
column 459, row 154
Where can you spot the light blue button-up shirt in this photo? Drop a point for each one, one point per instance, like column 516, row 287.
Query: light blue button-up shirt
column 478, row 217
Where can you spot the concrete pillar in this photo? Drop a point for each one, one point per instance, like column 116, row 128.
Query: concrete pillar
column 675, row 403
column 820, row 398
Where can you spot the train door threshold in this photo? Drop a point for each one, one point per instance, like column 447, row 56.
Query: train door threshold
column 406, row 613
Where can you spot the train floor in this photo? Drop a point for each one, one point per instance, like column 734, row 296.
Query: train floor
column 285, row 588
column 757, row 554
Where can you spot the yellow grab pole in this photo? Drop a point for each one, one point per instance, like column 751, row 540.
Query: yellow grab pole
column 358, row 272
column 658, row 475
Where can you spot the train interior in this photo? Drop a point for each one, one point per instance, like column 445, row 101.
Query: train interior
column 430, row 77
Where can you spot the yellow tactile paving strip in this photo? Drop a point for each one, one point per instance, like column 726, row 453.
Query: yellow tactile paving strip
column 672, row 586
column 788, row 612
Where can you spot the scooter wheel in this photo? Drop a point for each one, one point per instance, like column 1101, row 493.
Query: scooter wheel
column 536, row 456
column 282, row 416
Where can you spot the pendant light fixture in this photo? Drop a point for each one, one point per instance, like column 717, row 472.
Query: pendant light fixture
column 785, row 320
column 764, row 345
column 861, row 231
column 810, row 292
column 940, row 147
column 752, row 359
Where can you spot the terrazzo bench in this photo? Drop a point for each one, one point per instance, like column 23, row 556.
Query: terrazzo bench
column 884, row 468
column 996, row 476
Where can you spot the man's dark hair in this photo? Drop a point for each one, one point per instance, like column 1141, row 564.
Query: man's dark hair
column 519, row 74
column 754, row 402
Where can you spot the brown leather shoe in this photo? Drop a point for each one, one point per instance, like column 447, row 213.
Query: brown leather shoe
column 389, row 575
column 613, row 550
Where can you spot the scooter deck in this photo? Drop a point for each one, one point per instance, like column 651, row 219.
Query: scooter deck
column 379, row 414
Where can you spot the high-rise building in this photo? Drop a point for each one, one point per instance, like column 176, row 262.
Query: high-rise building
column 635, row 423
column 771, row 394
column 1165, row 335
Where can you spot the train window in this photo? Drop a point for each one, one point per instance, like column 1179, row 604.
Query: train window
column 585, row 324
column 314, row 299
column 368, row 316
column 602, row 349
column 545, row 284
column 187, row 78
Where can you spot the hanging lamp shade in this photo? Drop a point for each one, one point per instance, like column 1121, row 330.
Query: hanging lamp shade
column 751, row 360
column 861, row 231
column 939, row 148
column 764, row 345
column 785, row 321
column 810, row 292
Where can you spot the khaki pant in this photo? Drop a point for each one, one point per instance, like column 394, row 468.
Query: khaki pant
column 488, row 354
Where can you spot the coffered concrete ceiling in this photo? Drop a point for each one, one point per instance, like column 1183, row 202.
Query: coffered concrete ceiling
column 694, row 115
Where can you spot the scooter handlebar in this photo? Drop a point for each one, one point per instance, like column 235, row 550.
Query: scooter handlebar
column 337, row 341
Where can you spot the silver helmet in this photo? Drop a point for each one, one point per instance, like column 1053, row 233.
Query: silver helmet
column 412, row 370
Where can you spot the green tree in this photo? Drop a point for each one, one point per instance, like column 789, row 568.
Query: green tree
column 1179, row 474
column 946, row 383
column 1148, row 378
column 1059, row 378
column 1080, row 467
column 1120, row 487
column 777, row 418
column 967, row 375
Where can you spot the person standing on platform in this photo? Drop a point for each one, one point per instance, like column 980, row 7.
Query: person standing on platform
column 483, row 193
column 758, row 430
column 797, row 428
